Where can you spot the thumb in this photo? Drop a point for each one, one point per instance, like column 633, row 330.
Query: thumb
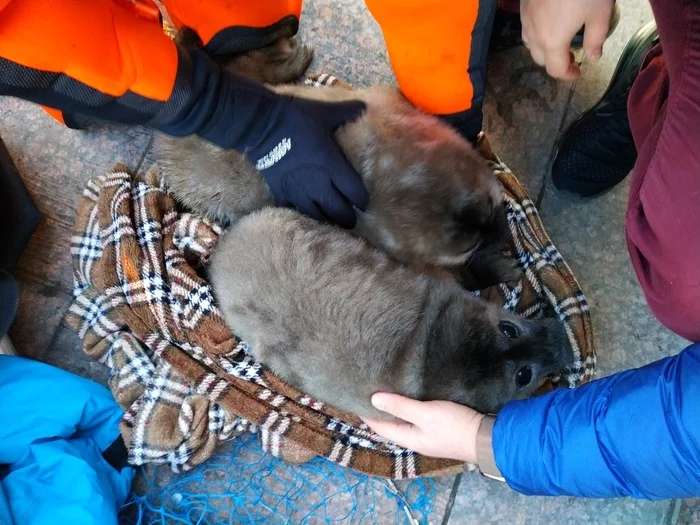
column 331, row 115
column 402, row 407
column 595, row 33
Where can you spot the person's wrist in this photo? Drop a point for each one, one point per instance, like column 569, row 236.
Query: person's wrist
column 469, row 452
column 484, row 449
column 219, row 105
column 258, row 113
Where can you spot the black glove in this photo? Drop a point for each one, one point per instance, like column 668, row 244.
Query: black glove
column 303, row 165
column 289, row 140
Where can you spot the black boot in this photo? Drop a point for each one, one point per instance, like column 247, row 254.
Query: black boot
column 597, row 151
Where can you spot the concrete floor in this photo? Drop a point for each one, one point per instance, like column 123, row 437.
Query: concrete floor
column 525, row 113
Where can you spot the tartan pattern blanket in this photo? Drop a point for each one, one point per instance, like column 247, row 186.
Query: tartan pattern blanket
column 143, row 307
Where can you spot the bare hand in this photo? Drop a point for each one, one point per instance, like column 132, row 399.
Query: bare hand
column 433, row 428
column 550, row 25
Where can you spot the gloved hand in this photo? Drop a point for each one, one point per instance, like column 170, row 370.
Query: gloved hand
column 289, row 140
column 303, row 165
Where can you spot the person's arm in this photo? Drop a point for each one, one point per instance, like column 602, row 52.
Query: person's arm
column 99, row 59
column 57, row 436
column 635, row 433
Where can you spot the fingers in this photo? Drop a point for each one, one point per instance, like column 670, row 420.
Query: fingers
column 295, row 194
column 560, row 63
column 402, row 407
column 403, row 434
column 317, row 197
column 549, row 27
column 322, row 187
column 556, row 58
column 338, row 209
column 526, row 35
column 331, row 115
column 311, row 209
column 537, row 55
column 343, row 112
column 596, row 32
column 350, row 184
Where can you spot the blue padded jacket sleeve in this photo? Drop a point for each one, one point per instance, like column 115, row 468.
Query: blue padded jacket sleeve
column 636, row 433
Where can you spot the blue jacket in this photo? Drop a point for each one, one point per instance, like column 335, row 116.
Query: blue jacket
column 636, row 433
column 53, row 430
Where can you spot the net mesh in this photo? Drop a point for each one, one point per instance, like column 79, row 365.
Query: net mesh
column 240, row 484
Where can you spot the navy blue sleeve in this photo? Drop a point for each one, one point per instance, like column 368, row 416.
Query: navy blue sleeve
column 227, row 109
column 636, row 433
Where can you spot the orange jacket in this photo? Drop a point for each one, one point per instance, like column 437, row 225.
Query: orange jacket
column 110, row 58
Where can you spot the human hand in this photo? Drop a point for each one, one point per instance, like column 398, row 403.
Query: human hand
column 289, row 140
column 302, row 164
column 550, row 25
column 433, row 428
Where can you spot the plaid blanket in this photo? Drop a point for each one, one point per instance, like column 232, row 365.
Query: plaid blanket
column 143, row 307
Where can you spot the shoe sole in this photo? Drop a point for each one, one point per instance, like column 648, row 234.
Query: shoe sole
column 628, row 55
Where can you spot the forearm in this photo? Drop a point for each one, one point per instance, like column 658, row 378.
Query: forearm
column 100, row 60
column 96, row 58
column 635, row 433
column 222, row 107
